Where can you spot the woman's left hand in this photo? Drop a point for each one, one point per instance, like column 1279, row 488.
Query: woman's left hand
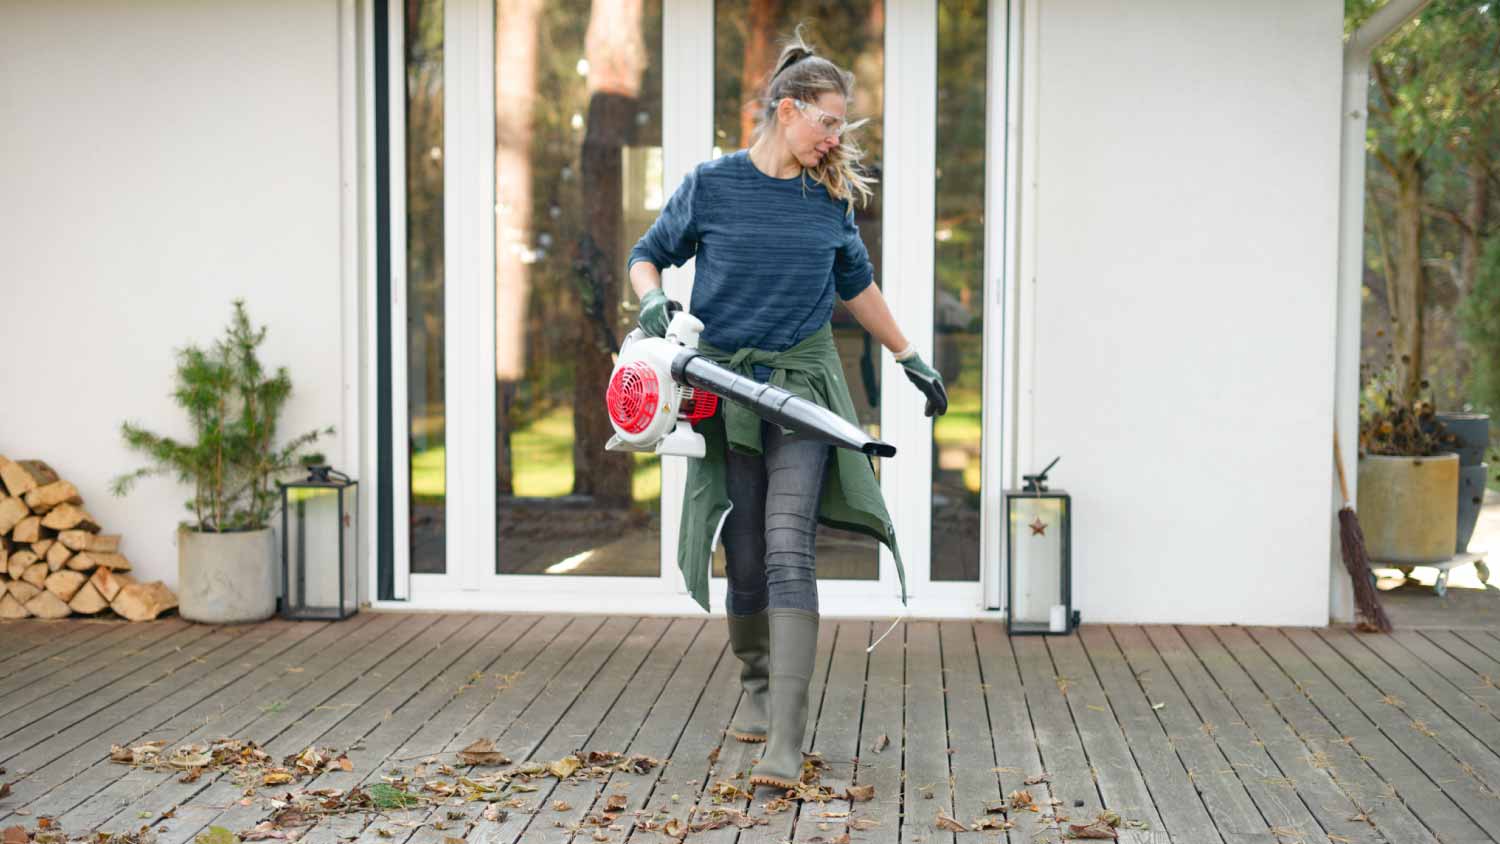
column 929, row 382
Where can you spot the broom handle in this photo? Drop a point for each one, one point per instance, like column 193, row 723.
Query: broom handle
column 1338, row 460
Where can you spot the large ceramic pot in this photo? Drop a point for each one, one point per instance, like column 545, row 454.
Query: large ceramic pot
column 225, row 578
column 1408, row 508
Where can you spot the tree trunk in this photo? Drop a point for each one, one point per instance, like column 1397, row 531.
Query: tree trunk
column 754, row 72
column 1476, row 217
column 616, row 53
column 1406, row 285
column 515, row 95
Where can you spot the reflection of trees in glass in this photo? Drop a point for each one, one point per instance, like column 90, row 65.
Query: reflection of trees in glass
column 515, row 96
column 423, row 48
column 424, row 222
column 575, row 85
column 958, row 293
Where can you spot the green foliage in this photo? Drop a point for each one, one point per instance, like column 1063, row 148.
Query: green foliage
column 1436, row 79
column 1434, row 126
column 1480, row 320
column 387, row 796
column 231, row 460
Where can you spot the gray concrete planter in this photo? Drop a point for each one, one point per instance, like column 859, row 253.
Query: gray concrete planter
column 1408, row 507
column 225, row 578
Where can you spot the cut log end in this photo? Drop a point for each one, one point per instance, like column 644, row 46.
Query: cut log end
column 48, row 605
column 143, row 601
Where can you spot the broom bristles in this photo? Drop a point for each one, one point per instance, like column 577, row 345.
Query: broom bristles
column 1352, row 543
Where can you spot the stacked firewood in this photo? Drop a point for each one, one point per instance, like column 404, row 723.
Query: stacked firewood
column 54, row 562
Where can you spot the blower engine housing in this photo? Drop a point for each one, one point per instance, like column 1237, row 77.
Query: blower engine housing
column 650, row 411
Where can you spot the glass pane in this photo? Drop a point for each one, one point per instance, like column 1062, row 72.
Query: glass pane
column 1037, row 532
column 578, row 179
column 851, row 34
column 319, row 549
column 958, row 292
column 424, row 284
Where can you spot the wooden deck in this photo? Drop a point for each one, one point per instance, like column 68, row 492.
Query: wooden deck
column 1190, row 734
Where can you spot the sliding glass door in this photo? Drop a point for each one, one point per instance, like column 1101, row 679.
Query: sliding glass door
column 541, row 140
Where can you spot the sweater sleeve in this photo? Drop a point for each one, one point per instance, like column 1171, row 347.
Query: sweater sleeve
column 673, row 238
column 852, row 270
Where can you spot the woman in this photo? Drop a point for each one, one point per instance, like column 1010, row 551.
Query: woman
column 773, row 231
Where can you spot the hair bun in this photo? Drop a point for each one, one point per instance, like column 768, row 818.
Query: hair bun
column 790, row 56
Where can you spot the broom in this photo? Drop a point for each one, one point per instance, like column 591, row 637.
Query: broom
column 1356, row 560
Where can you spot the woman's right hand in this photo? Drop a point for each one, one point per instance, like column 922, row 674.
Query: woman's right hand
column 654, row 316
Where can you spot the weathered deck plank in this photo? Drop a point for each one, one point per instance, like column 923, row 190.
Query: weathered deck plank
column 1428, row 800
column 1195, row 789
column 1314, row 781
column 1204, row 734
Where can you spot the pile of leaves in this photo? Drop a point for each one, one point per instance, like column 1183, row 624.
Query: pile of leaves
column 243, row 760
column 47, row 832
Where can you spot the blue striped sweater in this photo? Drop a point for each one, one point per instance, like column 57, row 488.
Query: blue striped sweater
column 771, row 253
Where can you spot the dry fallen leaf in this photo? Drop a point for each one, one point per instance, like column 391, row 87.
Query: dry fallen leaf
column 882, row 743
column 560, row 806
column 564, row 767
column 860, row 793
column 862, row 824
column 482, row 752
column 1096, row 830
column 16, row 835
column 945, row 822
column 1100, row 828
column 1022, row 800
column 992, row 823
column 1039, row 778
column 616, row 803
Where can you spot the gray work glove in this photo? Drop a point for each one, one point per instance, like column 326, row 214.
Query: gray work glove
column 929, row 382
column 654, row 314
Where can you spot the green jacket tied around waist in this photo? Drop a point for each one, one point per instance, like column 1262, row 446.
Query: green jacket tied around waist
column 851, row 498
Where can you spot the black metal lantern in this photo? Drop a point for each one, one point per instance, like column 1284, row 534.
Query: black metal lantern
column 1038, row 545
column 319, row 541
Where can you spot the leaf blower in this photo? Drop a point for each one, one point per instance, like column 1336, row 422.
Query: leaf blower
column 661, row 385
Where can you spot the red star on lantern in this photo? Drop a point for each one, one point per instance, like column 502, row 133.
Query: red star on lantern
column 1038, row 527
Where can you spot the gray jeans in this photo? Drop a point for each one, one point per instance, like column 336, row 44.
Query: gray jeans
column 770, row 532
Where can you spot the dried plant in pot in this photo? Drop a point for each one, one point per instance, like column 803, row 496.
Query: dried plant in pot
column 226, row 555
column 1408, row 479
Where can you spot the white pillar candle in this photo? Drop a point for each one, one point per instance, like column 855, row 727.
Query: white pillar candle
column 1058, row 620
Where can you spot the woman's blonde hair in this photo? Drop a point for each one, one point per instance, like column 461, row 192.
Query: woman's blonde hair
column 803, row 75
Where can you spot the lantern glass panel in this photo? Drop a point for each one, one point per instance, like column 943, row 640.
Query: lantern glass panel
column 1038, row 536
column 318, row 518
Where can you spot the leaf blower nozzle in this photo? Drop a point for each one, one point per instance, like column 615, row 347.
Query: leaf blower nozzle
column 775, row 404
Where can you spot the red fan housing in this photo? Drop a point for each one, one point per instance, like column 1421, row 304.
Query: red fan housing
column 632, row 396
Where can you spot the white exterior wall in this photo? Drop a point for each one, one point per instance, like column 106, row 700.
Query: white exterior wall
column 1182, row 337
column 1175, row 340
column 158, row 160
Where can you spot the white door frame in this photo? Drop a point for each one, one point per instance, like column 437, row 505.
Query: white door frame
column 909, row 203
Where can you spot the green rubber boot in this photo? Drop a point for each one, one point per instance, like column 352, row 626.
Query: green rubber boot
column 794, row 649
column 750, row 639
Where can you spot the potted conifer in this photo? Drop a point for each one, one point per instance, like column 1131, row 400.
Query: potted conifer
column 226, row 555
